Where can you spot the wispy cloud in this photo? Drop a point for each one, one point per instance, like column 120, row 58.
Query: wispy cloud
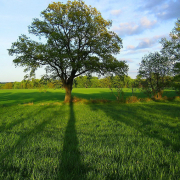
column 116, row 12
column 162, row 9
column 151, row 4
column 146, row 43
column 131, row 28
column 130, row 47
column 136, row 51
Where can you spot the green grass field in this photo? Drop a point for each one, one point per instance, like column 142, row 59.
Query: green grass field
column 42, row 138
column 35, row 96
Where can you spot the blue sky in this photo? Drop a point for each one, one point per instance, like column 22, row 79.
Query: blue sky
column 141, row 24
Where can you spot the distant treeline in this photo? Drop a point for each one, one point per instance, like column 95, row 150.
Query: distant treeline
column 79, row 82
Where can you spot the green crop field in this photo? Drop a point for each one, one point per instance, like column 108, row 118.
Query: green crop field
column 43, row 138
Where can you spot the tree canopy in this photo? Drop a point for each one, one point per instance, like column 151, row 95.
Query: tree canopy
column 171, row 48
column 77, row 41
column 155, row 69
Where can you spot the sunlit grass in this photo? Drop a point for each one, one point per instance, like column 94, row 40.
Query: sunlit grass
column 49, row 96
column 48, row 139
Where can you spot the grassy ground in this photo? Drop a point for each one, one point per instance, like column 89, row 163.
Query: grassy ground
column 35, row 96
column 87, row 141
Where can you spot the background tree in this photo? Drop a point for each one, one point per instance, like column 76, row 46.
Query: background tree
column 171, row 49
column 154, row 69
column 17, row 85
column 77, row 42
column 82, row 82
column 8, row 85
column 117, row 85
column 132, row 84
column 105, row 82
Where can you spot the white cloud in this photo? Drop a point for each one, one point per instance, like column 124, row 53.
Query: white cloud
column 136, row 51
column 130, row 47
column 146, row 43
column 132, row 28
column 116, row 12
column 145, row 22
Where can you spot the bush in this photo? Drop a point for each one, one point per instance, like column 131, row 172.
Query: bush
column 145, row 99
column 132, row 99
column 8, row 86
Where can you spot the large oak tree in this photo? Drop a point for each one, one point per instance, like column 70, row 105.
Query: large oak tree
column 77, row 42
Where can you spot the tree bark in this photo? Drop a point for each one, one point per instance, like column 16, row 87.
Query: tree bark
column 68, row 89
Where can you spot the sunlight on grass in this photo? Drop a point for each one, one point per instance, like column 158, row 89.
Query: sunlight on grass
column 35, row 96
column 90, row 141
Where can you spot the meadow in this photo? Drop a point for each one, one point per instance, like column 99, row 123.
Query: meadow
column 43, row 138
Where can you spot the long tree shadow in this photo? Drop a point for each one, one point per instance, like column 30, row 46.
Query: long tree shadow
column 145, row 123
column 71, row 166
column 29, row 96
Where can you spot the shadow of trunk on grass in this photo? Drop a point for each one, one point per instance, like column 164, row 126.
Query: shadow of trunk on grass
column 71, row 166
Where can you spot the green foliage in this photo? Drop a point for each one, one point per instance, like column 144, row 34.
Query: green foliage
column 155, row 69
column 94, row 82
column 82, row 82
column 1, row 86
column 120, row 82
column 117, row 88
column 8, row 86
column 171, row 49
column 105, row 82
column 176, row 84
column 17, row 85
column 34, row 84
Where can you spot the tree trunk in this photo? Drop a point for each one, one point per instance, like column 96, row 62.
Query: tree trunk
column 159, row 94
column 68, row 89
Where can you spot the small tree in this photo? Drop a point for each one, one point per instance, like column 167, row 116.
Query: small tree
column 77, row 42
column 154, row 68
column 117, row 85
column 132, row 84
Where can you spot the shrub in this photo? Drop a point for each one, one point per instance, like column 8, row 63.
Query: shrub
column 145, row 99
column 8, row 86
column 132, row 99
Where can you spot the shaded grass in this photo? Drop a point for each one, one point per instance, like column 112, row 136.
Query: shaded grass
column 90, row 141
